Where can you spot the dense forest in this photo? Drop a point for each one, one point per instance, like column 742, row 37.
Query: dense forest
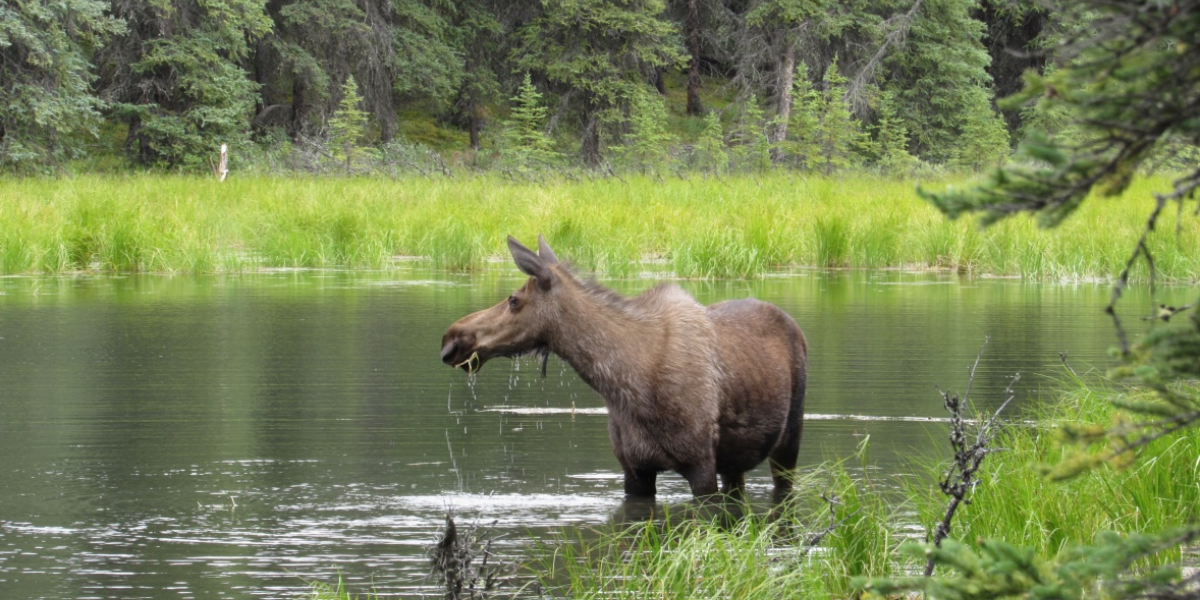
column 710, row 84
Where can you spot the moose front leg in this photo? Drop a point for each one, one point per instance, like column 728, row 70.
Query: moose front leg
column 702, row 478
column 639, row 483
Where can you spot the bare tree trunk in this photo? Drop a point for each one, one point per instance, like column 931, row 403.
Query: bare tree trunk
column 300, row 106
column 590, row 147
column 473, row 126
column 660, row 85
column 376, row 74
column 694, row 107
column 783, row 99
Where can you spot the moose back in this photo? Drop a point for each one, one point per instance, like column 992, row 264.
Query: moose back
column 697, row 390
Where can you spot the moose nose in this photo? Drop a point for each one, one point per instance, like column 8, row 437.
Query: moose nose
column 448, row 352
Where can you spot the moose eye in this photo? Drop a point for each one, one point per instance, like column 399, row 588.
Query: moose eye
column 513, row 302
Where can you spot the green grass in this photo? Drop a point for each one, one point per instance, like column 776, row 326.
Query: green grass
column 738, row 227
column 338, row 591
column 754, row 557
column 1016, row 504
column 761, row 557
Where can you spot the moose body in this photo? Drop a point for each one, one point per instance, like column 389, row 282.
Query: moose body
column 693, row 389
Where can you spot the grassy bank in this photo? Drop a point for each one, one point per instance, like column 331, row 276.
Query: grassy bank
column 759, row 558
column 696, row 227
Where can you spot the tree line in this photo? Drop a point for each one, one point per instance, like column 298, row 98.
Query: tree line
column 816, row 84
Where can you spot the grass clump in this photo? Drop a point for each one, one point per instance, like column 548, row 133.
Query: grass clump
column 763, row 556
column 733, row 227
column 1014, row 502
column 338, row 591
column 757, row 556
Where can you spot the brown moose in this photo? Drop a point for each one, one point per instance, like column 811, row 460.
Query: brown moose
column 698, row 390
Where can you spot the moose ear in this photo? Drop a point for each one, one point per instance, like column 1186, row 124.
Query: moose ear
column 530, row 264
column 545, row 252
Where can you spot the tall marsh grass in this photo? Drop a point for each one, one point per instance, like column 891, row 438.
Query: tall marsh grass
column 737, row 227
column 761, row 557
column 1015, row 503
column 758, row 556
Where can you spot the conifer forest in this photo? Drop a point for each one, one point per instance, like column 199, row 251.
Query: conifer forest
column 703, row 84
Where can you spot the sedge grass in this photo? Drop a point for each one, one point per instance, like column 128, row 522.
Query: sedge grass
column 759, row 557
column 1014, row 503
column 738, row 227
column 338, row 591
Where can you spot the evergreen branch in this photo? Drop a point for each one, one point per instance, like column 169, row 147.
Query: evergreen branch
column 855, row 91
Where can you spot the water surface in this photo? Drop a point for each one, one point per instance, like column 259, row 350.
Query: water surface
column 235, row 436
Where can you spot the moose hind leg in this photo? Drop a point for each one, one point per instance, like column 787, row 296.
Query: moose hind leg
column 733, row 484
column 783, row 466
column 640, row 483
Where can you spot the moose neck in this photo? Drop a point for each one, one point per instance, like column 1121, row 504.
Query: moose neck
column 608, row 340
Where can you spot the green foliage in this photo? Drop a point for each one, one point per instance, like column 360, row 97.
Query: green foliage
column 526, row 144
column 1164, row 367
column 311, row 45
column 804, row 122
column 202, row 96
column 751, row 148
column 739, row 227
column 1124, row 87
column 348, row 126
column 995, row 569
column 891, row 139
column 647, row 145
column 325, row 591
column 838, row 134
column 427, row 63
column 1145, row 80
column 721, row 551
column 939, row 76
column 47, row 106
column 600, row 51
column 984, row 138
column 710, row 154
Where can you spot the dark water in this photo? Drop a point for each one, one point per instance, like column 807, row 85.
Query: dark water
column 211, row 437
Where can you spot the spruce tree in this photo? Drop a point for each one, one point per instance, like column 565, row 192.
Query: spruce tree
column 752, row 149
column 938, row 74
column 348, row 126
column 838, row 133
column 526, row 144
column 177, row 77
column 804, row 120
column 710, row 154
column 46, row 100
column 598, row 54
column 313, row 45
column 984, row 138
column 891, row 139
column 647, row 145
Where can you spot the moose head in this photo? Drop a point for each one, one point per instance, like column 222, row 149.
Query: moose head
column 518, row 325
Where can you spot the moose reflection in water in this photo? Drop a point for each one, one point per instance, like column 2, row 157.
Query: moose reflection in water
column 698, row 390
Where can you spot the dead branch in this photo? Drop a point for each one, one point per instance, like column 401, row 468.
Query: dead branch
column 855, row 91
column 461, row 559
column 960, row 479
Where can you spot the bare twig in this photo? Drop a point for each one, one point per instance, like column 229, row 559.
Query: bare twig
column 960, row 479
column 815, row 538
column 1063, row 356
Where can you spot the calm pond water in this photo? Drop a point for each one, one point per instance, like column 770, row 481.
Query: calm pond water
column 235, row 436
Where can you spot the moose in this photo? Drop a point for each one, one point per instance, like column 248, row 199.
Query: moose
column 697, row 390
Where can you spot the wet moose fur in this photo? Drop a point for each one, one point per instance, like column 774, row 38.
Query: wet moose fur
column 697, row 390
